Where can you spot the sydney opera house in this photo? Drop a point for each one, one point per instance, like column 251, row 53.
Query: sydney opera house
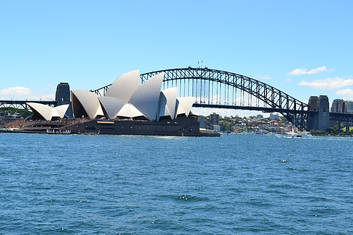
column 128, row 107
column 128, row 99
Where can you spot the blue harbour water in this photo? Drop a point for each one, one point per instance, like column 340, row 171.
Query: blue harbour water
column 53, row 184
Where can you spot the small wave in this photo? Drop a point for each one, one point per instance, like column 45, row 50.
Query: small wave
column 168, row 137
column 318, row 199
column 284, row 186
column 185, row 197
column 324, row 211
column 258, row 203
column 59, row 230
column 276, row 192
column 290, row 168
column 153, row 137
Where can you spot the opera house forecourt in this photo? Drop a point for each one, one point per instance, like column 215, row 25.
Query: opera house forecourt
column 128, row 108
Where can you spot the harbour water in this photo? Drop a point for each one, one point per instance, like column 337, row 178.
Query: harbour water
column 72, row 184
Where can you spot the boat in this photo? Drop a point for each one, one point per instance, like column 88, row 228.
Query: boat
column 305, row 134
column 293, row 134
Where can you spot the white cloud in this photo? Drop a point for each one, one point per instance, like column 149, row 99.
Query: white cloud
column 328, row 83
column 305, row 71
column 263, row 77
column 23, row 93
column 15, row 91
column 41, row 97
column 346, row 94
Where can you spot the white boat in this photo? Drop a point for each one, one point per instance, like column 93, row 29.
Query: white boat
column 293, row 134
column 305, row 134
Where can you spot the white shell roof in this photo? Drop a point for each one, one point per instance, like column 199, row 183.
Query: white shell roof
column 130, row 111
column 111, row 105
column 99, row 111
column 48, row 112
column 125, row 86
column 185, row 105
column 54, row 113
column 44, row 110
column 89, row 102
column 60, row 110
column 167, row 106
column 146, row 97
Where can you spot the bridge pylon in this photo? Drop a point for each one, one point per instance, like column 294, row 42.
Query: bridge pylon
column 319, row 114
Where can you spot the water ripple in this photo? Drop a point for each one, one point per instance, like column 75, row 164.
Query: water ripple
column 145, row 185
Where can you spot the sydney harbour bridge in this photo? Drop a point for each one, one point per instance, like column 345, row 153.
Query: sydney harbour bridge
column 221, row 89
column 214, row 88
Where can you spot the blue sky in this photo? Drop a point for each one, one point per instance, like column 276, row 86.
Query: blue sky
column 91, row 43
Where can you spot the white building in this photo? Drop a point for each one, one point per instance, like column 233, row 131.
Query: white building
column 126, row 98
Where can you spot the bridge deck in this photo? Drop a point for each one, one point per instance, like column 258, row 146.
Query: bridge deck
column 49, row 102
column 251, row 108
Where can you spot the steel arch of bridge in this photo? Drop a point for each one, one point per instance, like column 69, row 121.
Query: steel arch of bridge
column 214, row 88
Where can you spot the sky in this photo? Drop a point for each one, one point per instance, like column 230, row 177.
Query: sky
column 301, row 47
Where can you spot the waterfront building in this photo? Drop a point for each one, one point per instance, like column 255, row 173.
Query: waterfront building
column 217, row 128
column 128, row 99
column 202, row 121
column 125, row 99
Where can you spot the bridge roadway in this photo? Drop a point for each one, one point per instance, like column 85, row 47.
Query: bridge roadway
column 250, row 108
column 343, row 117
column 48, row 102
column 22, row 104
